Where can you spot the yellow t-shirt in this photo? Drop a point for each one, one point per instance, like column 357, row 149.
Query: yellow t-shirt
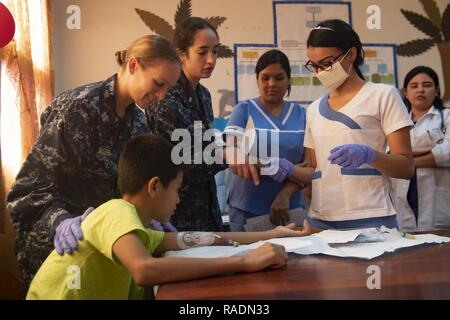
column 93, row 272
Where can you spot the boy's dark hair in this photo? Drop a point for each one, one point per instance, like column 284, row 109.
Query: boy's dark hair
column 185, row 32
column 433, row 75
column 271, row 57
column 340, row 36
column 144, row 157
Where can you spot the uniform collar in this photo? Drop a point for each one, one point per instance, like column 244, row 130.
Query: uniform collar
column 109, row 98
column 432, row 111
column 185, row 84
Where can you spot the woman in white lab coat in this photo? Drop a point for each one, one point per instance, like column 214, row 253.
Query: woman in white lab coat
column 423, row 203
column 346, row 135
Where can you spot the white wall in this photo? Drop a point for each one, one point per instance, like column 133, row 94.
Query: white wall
column 87, row 55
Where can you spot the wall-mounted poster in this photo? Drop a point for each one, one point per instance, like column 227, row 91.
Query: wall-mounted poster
column 293, row 22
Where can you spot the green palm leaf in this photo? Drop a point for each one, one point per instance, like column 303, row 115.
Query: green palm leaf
column 215, row 21
column 446, row 23
column 184, row 11
column 415, row 47
column 156, row 23
column 432, row 11
column 224, row 51
column 423, row 24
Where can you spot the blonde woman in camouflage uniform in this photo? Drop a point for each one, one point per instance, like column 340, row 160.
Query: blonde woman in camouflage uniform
column 73, row 163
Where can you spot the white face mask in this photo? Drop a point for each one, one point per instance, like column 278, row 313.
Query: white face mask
column 334, row 78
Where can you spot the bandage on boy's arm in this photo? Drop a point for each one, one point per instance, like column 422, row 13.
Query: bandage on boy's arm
column 148, row 271
column 186, row 240
column 172, row 241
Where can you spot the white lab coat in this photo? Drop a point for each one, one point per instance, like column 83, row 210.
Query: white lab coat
column 433, row 184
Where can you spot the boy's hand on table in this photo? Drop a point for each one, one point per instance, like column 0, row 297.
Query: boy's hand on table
column 291, row 230
column 268, row 255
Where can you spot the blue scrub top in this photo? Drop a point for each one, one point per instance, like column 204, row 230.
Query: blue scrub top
column 290, row 127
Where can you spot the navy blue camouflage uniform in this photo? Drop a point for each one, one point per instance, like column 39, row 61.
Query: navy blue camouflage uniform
column 199, row 207
column 72, row 166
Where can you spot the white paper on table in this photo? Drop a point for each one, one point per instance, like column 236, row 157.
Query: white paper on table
column 345, row 236
column 316, row 244
column 213, row 251
column 372, row 250
column 291, row 244
column 338, row 236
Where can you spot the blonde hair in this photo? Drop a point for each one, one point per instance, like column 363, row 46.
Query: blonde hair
column 147, row 49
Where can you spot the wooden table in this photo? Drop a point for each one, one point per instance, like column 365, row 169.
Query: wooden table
column 421, row 272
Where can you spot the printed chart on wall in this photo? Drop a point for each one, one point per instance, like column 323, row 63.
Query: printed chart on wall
column 293, row 22
column 380, row 63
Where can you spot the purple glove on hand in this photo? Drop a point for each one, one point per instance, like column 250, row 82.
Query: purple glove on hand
column 161, row 226
column 352, row 155
column 278, row 169
column 68, row 233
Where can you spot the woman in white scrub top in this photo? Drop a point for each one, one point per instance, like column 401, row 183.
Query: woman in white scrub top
column 347, row 132
column 423, row 203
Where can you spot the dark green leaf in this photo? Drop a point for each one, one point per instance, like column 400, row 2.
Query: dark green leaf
column 216, row 21
column 156, row 24
column 432, row 11
column 224, row 52
column 184, row 11
column 423, row 24
column 415, row 47
column 446, row 24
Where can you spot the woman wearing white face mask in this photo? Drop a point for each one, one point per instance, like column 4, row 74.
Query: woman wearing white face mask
column 346, row 134
column 423, row 203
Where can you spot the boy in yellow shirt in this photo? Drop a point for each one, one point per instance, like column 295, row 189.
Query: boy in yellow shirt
column 115, row 258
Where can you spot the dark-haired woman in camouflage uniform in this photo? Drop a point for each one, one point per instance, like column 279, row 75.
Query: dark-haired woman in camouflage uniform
column 187, row 102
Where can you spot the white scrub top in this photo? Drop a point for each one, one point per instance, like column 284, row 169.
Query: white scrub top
column 340, row 194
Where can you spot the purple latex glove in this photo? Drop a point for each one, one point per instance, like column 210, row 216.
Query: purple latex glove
column 68, row 233
column 278, row 169
column 352, row 155
column 161, row 226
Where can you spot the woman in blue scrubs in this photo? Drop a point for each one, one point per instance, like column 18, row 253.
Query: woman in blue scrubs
column 270, row 116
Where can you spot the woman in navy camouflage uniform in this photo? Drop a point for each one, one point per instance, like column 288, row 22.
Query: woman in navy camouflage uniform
column 197, row 42
column 73, row 163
